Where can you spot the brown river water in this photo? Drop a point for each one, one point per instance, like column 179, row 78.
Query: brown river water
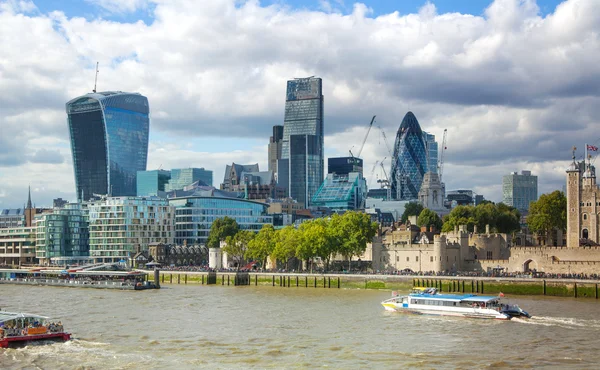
column 220, row 327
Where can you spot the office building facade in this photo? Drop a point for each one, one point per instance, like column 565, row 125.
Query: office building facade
column 518, row 190
column 409, row 163
column 62, row 235
column 305, row 168
column 344, row 165
column 182, row 177
column 109, row 142
column 195, row 214
column 431, row 147
column 152, row 183
column 344, row 192
column 303, row 120
column 123, row 226
column 275, row 147
column 17, row 246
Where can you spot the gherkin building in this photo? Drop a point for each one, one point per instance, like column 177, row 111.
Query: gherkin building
column 409, row 164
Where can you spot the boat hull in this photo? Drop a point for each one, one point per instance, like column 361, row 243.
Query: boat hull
column 8, row 341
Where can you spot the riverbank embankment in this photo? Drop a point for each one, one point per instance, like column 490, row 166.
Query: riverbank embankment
column 463, row 284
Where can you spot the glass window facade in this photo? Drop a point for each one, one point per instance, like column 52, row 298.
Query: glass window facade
column 63, row 233
column 305, row 168
column 194, row 216
column 304, row 116
column 182, row 177
column 109, row 142
column 342, row 192
column 409, row 164
column 344, row 165
column 519, row 190
column 431, row 147
column 151, row 183
column 123, row 226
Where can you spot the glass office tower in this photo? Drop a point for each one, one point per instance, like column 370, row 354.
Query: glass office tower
column 152, row 183
column 182, row 177
column 431, row 147
column 303, row 117
column 519, row 190
column 109, row 141
column 409, row 164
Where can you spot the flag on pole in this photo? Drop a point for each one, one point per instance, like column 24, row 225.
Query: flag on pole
column 592, row 148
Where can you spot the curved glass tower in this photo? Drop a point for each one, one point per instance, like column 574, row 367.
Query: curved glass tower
column 109, row 141
column 410, row 159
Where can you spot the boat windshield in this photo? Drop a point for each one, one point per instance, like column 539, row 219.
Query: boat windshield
column 423, row 290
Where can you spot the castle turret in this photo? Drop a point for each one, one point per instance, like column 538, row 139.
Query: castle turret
column 573, row 203
column 439, row 253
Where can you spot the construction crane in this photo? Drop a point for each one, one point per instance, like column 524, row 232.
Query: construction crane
column 366, row 136
column 441, row 161
column 385, row 183
column 373, row 171
column 386, row 142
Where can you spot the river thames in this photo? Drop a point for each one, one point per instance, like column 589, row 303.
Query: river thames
column 217, row 327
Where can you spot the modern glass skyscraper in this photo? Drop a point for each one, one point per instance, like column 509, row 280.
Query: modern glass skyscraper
column 431, row 147
column 409, row 164
column 306, row 168
column 519, row 190
column 109, row 141
column 182, row 177
column 152, row 183
column 303, row 117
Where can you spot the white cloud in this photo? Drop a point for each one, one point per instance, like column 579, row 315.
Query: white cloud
column 513, row 88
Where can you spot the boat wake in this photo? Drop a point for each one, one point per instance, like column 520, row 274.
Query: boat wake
column 564, row 322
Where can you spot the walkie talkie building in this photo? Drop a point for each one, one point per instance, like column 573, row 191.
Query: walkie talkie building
column 109, row 142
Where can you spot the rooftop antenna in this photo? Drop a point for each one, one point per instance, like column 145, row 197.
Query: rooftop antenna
column 96, row 79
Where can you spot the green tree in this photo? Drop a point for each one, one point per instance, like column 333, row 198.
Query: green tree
column 500, row 217
column 237, row 245
column 547, row 213
column 429, row 218
column 220, row 229
column 508, row 219
column 286, row 244
column 460, row 215
column 262, row 246
column 358, row 230
column 411, row 209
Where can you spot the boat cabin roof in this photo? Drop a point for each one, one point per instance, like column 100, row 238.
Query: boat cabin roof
column 432, row 293
column 8, row 316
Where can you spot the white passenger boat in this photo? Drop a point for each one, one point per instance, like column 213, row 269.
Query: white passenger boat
column 428, row 301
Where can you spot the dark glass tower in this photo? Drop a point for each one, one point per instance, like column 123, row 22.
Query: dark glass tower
column 303, row 117
column 409, row 164
column 109, row 141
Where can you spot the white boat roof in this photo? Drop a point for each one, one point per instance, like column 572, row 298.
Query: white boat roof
column 7, row 316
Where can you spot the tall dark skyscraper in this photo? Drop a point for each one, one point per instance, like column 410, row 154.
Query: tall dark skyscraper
column 303, row 117
column 409, row 164
column 275, row 146
column 109, row 141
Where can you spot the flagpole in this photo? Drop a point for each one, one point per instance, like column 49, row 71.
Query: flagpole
column 586, row 157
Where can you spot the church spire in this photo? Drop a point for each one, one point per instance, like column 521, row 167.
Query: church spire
column 29, row 199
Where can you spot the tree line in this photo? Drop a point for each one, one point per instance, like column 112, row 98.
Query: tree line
column 549, row 212
column 346, row 235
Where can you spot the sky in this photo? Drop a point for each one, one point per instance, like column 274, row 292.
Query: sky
column 515, row 82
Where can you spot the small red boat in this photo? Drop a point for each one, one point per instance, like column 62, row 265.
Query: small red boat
column 20, row 328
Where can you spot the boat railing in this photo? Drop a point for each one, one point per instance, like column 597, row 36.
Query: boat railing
column 17, row 331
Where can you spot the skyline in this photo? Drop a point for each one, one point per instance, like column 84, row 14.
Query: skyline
column 215, row 77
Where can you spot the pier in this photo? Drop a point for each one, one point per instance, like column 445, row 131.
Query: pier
column 577, row 288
